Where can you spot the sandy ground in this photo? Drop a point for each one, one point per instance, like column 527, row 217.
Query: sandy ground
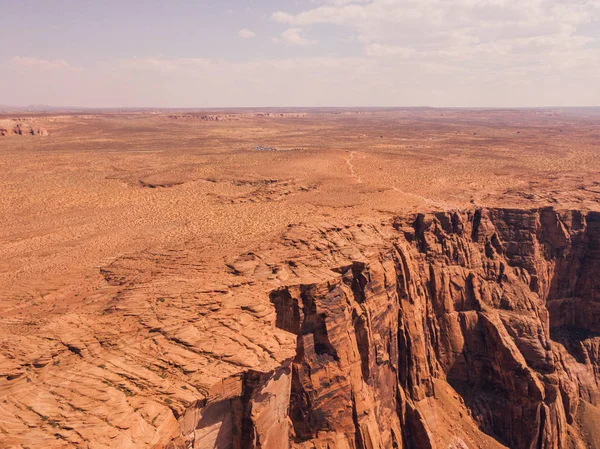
column 105, row 185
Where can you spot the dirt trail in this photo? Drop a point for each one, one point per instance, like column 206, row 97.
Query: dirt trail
column 351, row 167
column 437, row 204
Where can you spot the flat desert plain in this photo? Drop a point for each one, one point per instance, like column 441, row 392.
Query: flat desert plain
column 139, row 253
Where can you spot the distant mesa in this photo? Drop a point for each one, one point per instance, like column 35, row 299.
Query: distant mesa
column 280, row 114
column 205, row 118
column 236, row 116
column 21, row 127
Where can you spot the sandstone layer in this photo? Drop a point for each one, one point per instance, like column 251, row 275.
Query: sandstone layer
column 489, row 315
column 454, row 329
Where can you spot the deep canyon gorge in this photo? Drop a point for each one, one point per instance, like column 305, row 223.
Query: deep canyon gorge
column 458, row 329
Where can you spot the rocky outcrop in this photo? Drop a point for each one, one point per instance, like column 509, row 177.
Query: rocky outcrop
column 236, row 116
column 475, row 329
column 20, row 127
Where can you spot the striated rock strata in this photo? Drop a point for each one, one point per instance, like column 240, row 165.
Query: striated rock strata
column 475, row 329
column 456, row 330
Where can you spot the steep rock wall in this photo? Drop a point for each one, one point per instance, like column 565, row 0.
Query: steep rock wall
column 460, row 330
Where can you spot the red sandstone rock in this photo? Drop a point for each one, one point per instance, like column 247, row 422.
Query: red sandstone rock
column 21, row 127
column 452, row 311
column 476, row 329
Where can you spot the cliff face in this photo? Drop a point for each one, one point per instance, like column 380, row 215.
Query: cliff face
column 452, row 330
column 478, row 329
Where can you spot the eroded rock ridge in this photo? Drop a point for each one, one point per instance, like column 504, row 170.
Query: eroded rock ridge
column 474, row 329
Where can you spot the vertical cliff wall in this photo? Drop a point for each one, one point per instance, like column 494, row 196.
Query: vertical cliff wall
column 478, row 329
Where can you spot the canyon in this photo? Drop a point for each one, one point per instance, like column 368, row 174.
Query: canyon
column 439, row 330
column 384, row 279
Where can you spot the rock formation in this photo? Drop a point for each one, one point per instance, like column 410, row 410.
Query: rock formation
column 21, row 127
column 236, row 116
column 474, row 329
column 491, row 315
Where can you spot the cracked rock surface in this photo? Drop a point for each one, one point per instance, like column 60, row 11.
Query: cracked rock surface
column 479, row 327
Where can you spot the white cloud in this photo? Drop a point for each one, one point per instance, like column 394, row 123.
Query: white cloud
column 407, row 52
column 246, row 33
column 294, row 36
column 346, row 2
column 438, row 28
column 471, row 51
column 44, row 64
column 310, row 81
column 388, row 50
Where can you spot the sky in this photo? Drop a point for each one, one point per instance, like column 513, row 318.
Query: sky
column 302, row 53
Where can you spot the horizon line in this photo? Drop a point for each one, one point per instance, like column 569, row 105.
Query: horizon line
column 50, row 108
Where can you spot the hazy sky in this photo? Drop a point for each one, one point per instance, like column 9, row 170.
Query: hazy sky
column 213, row 53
